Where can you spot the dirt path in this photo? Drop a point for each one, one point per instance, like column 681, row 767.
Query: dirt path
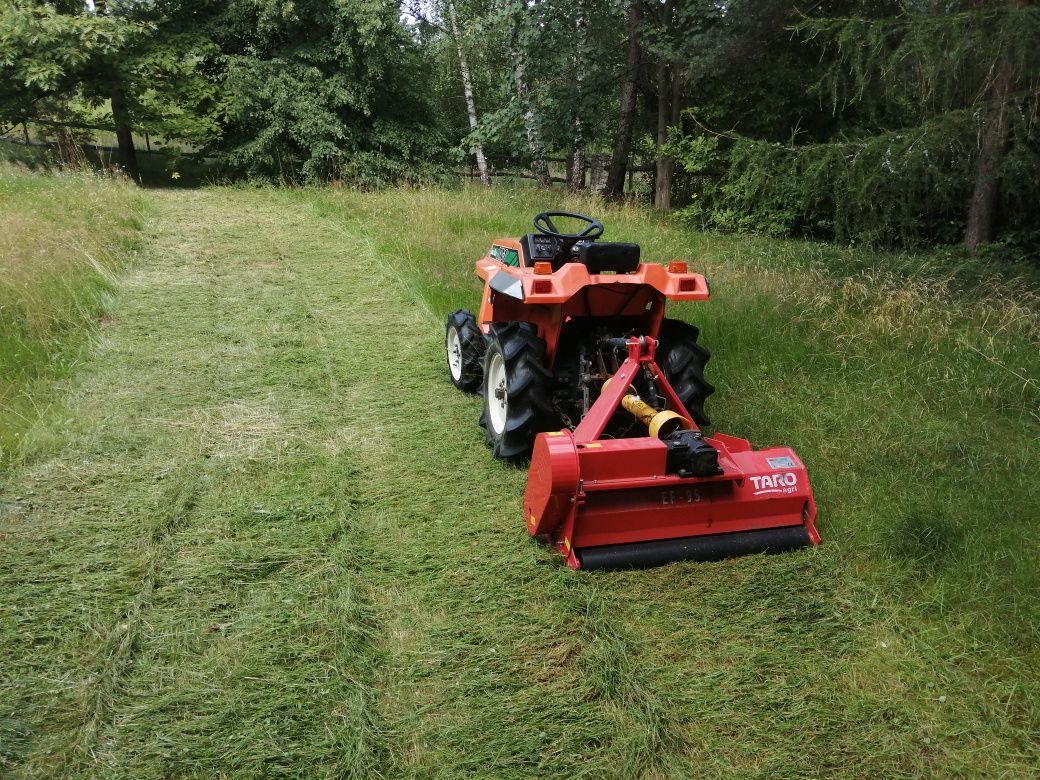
column 262, row 538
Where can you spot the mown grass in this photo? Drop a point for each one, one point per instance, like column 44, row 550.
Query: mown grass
column 62, row 238
column 264, row 539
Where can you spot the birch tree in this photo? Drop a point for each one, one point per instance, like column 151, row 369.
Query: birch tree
column 519, row 38
column 467, row 87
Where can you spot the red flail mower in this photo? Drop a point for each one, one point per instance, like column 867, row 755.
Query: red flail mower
column 581, row 372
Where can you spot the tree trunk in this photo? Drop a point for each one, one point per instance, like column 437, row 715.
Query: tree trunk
column 576, row 174
column 663, row 175
column 539, row 166
column 467, row 88
column 985, row 197
column 669, row 108
column 576, row 169
column 986, row 194
column 615, row 184
column 127, row 155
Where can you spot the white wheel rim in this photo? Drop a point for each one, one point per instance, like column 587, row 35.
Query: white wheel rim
column 453, row 346
column 497, row 398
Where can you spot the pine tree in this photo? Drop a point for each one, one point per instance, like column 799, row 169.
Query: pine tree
column 949, row 96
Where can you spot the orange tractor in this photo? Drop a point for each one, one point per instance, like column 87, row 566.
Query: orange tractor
column 580, row 371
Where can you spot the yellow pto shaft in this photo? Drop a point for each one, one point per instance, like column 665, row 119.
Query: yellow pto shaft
column 661, row 424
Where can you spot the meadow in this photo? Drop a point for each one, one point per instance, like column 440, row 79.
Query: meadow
column 253, row 530
column 62, row 240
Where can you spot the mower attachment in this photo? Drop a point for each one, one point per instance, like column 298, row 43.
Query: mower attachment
column 672, row 495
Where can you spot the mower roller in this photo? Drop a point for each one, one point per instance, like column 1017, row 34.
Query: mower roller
column 581, row 372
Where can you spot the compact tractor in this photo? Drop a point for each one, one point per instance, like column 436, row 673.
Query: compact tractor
column 581, row 372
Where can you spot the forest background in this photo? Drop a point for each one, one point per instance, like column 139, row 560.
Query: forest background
column 870, row 122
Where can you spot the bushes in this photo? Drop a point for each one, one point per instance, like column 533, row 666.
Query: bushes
column 902, row 188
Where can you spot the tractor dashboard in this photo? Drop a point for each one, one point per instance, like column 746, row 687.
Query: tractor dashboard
column 538, row 247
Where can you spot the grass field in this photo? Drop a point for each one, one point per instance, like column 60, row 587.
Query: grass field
column 259, row 535
column 62, row 239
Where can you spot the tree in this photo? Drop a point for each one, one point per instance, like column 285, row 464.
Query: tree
column 678, row 36
column 521, row 33
column 961, row 73
column 45, row 54
column 919, row 123
column 576, row 160
column 615, row 182
column 993, row 141
column 321, row 90
column 58, row 59
column 467, row 86
column 669, row 96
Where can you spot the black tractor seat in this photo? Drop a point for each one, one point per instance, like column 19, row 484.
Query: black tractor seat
column 609, row 256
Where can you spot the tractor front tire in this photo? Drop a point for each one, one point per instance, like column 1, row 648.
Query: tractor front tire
column 517, row 390
column 683, row 359
column 464, row 346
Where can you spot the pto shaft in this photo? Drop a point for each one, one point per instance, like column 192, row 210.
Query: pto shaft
column 661, row 424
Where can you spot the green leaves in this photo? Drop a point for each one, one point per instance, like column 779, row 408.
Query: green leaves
column 890, row 155
column 43, row 52
column 337, row 96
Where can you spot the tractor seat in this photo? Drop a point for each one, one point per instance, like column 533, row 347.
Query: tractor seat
column 607, row 256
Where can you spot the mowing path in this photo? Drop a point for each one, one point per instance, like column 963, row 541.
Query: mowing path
column 261, row 537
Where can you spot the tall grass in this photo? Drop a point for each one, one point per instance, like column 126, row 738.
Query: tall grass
column 910, row 383
column 62, row 236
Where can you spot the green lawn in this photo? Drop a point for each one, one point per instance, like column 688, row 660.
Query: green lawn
column 257, row 533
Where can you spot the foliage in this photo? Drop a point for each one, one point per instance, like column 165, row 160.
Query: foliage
column 937, row 60
column 44, row 53
column 898, row 187
column 912, row 96
column 306, row 92
column 855, row 120
column 546, row 35
column 320, row 90
column 168, row 92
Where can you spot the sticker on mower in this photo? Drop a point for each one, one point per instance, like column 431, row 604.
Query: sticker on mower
column 775, row 483
column 783, row 462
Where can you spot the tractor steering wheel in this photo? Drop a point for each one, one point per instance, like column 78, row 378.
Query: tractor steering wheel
column 543, row 224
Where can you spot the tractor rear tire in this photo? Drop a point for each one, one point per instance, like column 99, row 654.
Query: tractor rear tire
column 517, row 391
column 683, row 359
column 464, row 346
